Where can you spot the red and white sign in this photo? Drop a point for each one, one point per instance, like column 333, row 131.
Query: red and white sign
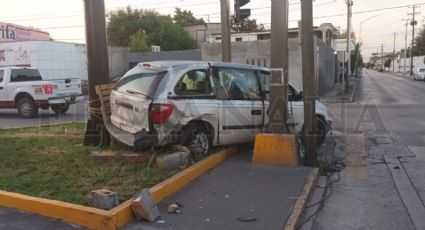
column 11, row 32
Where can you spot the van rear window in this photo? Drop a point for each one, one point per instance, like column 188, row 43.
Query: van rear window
column 25, row 75
column 145, row 83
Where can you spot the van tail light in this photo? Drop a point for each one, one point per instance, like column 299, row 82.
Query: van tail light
column 159, row 113
column 48, row 89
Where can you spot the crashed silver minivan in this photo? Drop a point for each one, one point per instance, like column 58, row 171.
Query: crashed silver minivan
column 198, row 104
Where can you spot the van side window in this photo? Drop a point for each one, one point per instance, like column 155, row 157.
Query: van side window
column 194, row 82
column 265, row 82
column 236, row 84
column 1, row 75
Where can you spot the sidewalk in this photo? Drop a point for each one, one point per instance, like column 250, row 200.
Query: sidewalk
column 234, row 195
column 337, row 94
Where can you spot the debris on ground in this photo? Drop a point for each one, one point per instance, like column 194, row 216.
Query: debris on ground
column 144, row 207
column 174, row 208
column 104, row 199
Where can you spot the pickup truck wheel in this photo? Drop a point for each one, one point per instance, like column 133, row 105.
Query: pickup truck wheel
column 60, row 108
column 27, row 108
column 196, row 139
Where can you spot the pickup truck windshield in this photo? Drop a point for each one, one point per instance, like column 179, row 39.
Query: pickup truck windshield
column 144, row 83
column 25, row 75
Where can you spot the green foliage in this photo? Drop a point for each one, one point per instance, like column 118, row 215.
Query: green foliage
column 388, row 62
column 246, row 25
column 49, row 162
column 138, row 42
column 419, row 48
column 122, row 24
column 159, row 30
column 186, row 18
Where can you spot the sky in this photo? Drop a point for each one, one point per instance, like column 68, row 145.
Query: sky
column 64, row 19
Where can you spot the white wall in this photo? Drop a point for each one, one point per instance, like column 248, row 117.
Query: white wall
column 418, row 62
column 55, row 60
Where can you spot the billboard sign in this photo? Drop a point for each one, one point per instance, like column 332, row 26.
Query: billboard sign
column 11, row 32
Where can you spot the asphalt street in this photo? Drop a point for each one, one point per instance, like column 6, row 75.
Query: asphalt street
column 382, row 143
column 9, row 118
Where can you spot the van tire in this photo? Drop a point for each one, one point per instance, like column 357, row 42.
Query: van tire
column 196, row 139
column 60, row 108
column 27, row 107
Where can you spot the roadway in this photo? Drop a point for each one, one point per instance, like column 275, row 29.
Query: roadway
column 382, row 186
column 9, row 118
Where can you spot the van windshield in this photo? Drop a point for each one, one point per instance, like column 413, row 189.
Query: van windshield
column 422, row 70
column 144, row 83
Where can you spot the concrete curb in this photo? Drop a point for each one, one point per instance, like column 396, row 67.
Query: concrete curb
column 298, row 208
column 119, row 216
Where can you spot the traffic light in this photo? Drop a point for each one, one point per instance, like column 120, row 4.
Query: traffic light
column 241, row 14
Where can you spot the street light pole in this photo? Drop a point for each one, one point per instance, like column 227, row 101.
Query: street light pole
column 360, row 40
column 382, row 57
column 349, row 5
column 279, row 67
column 98, row 67
column 405, row 45
column 413, row 23
column 226, row 50
column 394, row 52
column 309, row 82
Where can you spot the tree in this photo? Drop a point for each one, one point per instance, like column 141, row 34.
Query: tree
column 138, row 43
column 158, row 30
column 246, row 25
column 419, row 48
column 122, row 24
column 388, row 62
column 186, row 18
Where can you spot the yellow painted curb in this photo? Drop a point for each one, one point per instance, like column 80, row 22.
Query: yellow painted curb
column 98, row 219
column 299, row 205
column 178, row 181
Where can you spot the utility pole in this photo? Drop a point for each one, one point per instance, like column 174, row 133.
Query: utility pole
column 98, row 67
column 309, row 82
column 394, row 52
column 279, row 67
column 382, row 57
column 226, row 49
column 413, row 23
column 405, row 44
column 349, row 5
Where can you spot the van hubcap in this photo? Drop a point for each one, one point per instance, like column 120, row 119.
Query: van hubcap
column 200, row 144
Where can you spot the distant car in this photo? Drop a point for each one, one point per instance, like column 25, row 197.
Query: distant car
column 381, row 70
column 419, row 74
column 199, row 104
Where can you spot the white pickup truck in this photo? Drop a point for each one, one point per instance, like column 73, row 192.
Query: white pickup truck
column 24, row 89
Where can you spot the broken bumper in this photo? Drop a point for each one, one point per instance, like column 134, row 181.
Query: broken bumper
column 140, row 141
